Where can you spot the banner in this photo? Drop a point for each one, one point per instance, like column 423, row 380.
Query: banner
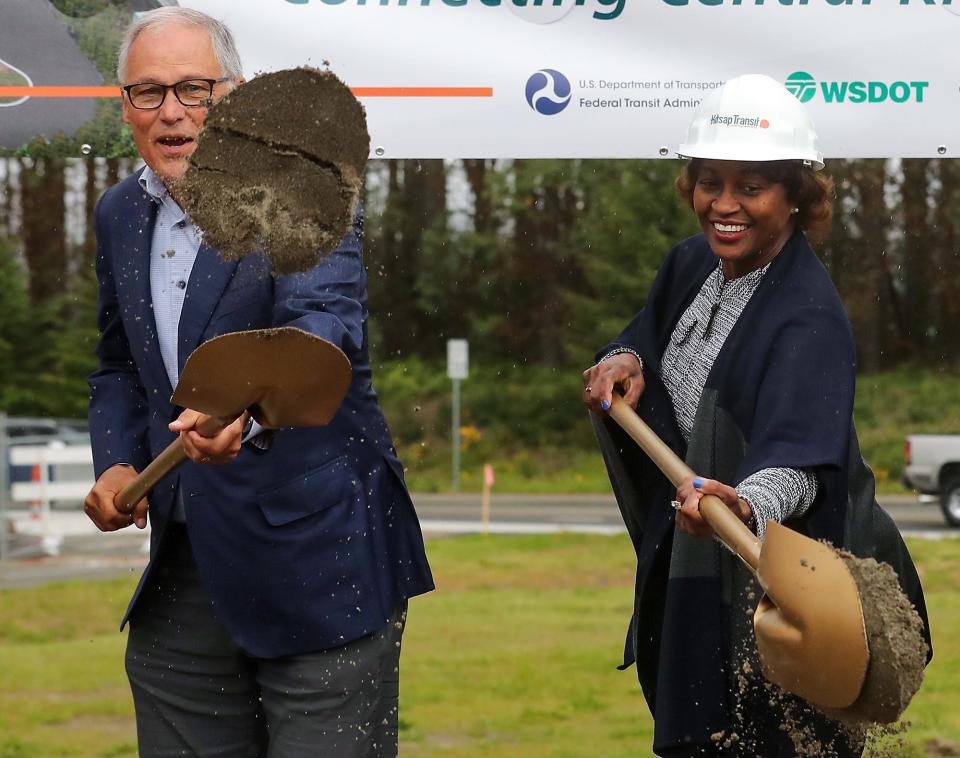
column 610, row 78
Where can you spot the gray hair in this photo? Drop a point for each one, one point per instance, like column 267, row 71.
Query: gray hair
column 224, row 48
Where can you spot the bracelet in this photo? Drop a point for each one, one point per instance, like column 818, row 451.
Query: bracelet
column 752, row 521
column 619, row 351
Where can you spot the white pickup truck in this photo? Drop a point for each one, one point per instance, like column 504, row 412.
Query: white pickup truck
column 933, row 467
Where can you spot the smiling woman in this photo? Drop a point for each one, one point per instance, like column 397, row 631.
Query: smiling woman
column 743, row 360
column 749, row 210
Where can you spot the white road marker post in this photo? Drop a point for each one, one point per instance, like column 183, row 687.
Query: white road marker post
column 485, row 502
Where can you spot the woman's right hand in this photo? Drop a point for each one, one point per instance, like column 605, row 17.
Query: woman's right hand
column 622, row 369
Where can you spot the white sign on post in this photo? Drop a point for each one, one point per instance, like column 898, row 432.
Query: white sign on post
column 458, row 362
column 457, row 369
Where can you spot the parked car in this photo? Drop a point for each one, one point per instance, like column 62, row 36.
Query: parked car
column 933, row 467
column 40, row 431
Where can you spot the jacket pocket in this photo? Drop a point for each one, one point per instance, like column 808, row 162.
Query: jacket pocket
column 243, row 306
column 308, row 493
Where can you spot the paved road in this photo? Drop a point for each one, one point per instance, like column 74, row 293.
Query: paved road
column 86, row 553
column 35, row 40
column 913, row 517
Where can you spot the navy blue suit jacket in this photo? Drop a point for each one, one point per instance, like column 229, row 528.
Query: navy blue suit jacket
column 306, row 545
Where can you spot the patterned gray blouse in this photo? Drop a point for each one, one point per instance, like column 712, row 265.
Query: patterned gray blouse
column 773, row 493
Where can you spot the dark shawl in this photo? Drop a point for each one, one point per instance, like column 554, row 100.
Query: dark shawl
column 780, row 394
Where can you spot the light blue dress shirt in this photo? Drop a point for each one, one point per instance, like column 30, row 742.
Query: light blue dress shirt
column 173, row 251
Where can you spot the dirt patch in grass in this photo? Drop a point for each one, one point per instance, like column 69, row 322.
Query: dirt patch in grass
column 110, row 727
column 58, row 697
column 941, row 747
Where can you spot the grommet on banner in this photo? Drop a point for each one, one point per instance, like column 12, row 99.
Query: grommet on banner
column 379, row 151
column 664, row 151
column 942, row 149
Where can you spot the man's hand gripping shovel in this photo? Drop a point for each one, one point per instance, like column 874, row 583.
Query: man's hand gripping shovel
column 284, row 377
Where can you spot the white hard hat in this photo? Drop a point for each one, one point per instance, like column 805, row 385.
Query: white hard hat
column 752, row 118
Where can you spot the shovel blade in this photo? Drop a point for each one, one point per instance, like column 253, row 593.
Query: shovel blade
column 809, row 627
column 286, row 377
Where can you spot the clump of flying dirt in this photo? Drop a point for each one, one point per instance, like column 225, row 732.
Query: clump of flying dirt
column 762, row 708
column 725, row 740
column 279, row 166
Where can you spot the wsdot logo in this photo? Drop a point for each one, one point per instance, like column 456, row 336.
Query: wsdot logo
column 804, row 87
column 548, row 92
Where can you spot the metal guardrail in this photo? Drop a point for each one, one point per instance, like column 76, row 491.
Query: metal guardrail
column 42, row 457
column 59, row 471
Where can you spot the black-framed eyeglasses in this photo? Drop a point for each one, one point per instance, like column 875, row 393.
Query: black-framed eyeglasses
column 192, row 93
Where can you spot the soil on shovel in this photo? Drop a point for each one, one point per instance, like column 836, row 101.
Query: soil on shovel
column 279, row 166
column 898, row 652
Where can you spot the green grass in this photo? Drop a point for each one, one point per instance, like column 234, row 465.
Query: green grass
column 512, row 657
column 63, row 691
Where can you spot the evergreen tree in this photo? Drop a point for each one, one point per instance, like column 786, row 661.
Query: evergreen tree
column 17, row 335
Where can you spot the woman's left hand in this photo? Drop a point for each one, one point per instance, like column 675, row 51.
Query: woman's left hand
column 689, row 493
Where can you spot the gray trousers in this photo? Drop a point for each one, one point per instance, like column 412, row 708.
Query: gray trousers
column 197, row 694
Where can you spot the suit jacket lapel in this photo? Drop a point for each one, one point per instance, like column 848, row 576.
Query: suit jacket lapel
column 208, row 280
column 133, row 261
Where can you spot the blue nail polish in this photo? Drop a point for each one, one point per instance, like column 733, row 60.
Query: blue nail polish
column 698, row 482
column 605, row 405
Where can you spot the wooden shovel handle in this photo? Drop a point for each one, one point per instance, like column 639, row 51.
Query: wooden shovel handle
column 731, row 530
column 164, row 463
column 656, row 449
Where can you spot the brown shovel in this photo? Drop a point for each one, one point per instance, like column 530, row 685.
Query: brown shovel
column 809, row 624
column 284, row 377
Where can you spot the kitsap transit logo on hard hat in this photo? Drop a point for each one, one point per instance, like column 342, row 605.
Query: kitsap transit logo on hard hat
column 756, row 122
column 804, row 87
column 548, row 92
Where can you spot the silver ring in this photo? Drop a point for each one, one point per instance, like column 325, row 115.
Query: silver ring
column 589, row 389
column 676, row 505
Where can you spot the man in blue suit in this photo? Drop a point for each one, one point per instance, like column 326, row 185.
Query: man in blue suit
column 269, row 619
